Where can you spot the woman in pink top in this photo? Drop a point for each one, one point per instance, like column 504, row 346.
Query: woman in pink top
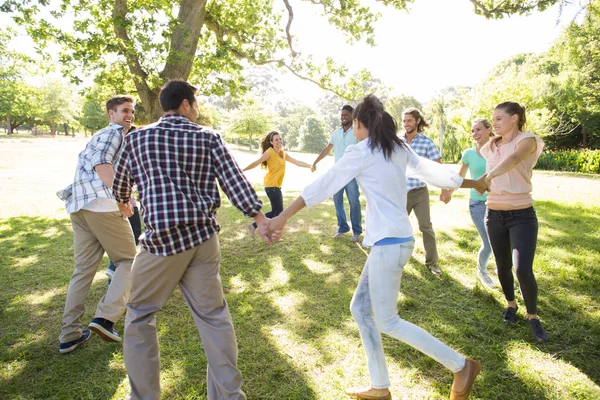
column 511, row 221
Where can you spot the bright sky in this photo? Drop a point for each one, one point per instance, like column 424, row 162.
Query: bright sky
column 439, row 43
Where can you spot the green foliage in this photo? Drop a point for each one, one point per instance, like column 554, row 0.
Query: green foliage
column 290, row 122
column 586, row 161
column 138, row 45
column 313, row 135
column 93, row 114
column 397, row 104
column 249, row 122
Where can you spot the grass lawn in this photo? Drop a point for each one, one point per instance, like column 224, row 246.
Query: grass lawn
column 290, row 302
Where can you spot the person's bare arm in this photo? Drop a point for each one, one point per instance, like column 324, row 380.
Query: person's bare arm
column 297, row 162
column 323, row 154
column 106, row 173
column 264, row 157
column 523, row 150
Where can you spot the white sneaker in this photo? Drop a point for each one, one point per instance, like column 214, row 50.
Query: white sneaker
column 485, row 279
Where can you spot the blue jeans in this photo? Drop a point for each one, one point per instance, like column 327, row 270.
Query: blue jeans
column 478, row 209
column 374, row 307
column 355, row 213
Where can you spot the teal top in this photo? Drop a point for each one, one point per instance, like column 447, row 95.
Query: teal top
column 341, row 140
column 476, row 165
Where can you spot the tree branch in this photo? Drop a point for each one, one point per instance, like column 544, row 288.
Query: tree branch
column 288, row 26
column 184, row 41
column 140, row 76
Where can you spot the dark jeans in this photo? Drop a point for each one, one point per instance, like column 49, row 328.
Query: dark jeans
column 513, row 236
column 276, row 198
column 136, row 227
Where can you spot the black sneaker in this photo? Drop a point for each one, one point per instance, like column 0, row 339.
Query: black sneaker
column 510, row 315
column 537, row 330
column 72, row 345
column 104, row 328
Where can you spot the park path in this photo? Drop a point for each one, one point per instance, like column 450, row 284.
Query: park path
column 33, row 169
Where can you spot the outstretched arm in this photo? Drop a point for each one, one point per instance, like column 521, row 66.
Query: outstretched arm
column 297, row 162
column 264, row 157
column 323, row 154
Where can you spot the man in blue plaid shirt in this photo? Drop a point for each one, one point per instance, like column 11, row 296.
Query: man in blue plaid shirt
column 418, row 194
column 98, row 226
column 176, row 165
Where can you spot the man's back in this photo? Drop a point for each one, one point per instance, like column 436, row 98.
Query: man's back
column 176, row 164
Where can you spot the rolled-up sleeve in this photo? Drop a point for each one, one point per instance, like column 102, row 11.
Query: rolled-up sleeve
column 107, row 146
column 233, row 181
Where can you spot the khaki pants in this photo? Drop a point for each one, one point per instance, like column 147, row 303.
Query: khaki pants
column 154, row 279
column 418, row 200
column 94, row 233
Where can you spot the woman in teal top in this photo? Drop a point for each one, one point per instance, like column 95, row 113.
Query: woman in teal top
column 471, row 160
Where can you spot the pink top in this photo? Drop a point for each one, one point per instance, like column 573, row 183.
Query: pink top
column 514, row 187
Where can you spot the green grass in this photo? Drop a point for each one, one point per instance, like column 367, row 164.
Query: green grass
column 290, row 304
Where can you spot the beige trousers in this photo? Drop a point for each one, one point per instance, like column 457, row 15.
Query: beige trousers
column 418, row 200
column 154, row 279
column 94, row 233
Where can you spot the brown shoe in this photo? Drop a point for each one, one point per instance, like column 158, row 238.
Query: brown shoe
column 369, row 393
column 464, row 379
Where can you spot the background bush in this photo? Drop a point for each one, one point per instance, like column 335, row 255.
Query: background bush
column 587, row 161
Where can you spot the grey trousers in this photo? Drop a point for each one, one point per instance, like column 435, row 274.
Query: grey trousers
column 418, row 200
column 93, row 234
column 154, row 279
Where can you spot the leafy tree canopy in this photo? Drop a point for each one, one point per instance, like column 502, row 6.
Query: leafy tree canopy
column 136, row 46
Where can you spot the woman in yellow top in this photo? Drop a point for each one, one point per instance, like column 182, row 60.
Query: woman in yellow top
column 273, row 158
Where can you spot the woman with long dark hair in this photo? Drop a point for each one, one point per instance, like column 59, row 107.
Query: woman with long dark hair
column 273, row 159
column 380, row 162
column 511, row 221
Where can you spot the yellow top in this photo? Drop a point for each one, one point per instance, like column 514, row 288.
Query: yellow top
column 275, row 168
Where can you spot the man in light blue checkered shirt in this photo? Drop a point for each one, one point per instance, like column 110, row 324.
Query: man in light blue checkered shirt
column 418, row 194
column 98, row 226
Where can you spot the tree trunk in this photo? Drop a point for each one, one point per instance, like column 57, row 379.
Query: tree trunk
column 585, row 134
column 53, row 128
column 66, row 129
column 182, row 50
column 9, row 125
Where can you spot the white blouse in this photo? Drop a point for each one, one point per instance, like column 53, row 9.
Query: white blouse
column 383, row 183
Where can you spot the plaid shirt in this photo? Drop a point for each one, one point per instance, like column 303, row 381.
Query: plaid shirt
column 176, row 164
column 102, row 148
column 425, row 147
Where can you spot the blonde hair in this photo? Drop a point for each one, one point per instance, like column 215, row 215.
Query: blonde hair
column 484, row 121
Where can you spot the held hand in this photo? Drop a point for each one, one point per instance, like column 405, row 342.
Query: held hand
column 276, row 226
column 126, row 209
column 445, row 196
column 482, row 185
column 262, row 228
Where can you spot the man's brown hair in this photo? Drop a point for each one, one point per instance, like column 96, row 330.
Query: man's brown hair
column 116, row 101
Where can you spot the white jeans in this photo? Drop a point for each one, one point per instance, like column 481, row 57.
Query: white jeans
column 374, row 307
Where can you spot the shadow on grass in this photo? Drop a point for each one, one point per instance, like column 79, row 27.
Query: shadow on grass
column 36, row 268
column 290, row 306
column 317, row 277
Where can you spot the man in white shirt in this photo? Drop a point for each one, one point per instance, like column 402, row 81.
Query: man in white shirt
column 98, row 225
column 340, row 139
